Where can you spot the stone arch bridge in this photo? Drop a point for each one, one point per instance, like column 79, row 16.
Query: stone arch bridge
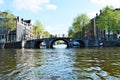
column 50, row 41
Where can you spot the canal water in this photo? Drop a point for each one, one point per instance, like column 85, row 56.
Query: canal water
column 60, row 64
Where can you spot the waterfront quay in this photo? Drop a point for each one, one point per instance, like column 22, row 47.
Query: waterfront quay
column 24, row 36
column 49, row 42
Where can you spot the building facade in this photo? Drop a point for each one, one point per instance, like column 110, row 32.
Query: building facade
column 23, row 30
column 94, row 33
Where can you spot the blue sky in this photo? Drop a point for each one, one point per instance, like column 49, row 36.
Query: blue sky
column 55, row 15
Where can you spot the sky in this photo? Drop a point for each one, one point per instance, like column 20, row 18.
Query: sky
column 55, row 15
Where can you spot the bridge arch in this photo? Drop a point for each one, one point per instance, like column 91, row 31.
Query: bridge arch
column 54, row 40
column 81, row 43
column 37, row 44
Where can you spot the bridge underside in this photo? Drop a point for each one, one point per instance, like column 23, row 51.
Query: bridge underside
column 66, row 42
column 81, row 43
column 37, row 44
column 49, row 42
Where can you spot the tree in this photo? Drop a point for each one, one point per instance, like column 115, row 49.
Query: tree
column 116, row 16
column 9, row 21
column 70, row 32
column 108, row 20
column 79, row 25
column 46, row 34
column 38, row 29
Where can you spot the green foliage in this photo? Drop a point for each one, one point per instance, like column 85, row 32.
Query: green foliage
column 70, row 32
column 105, row 18
column 39, row 30
column 9, row 21
column 109, row 20
column 80, row 21
column 46, row 34
column 116, row 20
column 79, row 26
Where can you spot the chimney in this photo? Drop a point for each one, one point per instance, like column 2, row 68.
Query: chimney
column 100, row 11
column 96, row 14
column 22, row 20
column 18, row 18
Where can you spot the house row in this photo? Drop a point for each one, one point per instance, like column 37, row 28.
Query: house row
column 94, row 33
column 23, row 30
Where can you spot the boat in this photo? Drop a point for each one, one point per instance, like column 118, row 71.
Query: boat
column 2, row 41
column 76, row 44
column 43, row 45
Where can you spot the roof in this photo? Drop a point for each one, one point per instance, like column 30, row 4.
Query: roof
column 27, row 21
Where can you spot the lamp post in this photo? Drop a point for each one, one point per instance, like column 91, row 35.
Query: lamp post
column 94, row 28
column 15, row 34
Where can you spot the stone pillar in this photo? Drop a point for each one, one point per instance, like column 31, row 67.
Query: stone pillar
column 86, row 43
column 48, row 43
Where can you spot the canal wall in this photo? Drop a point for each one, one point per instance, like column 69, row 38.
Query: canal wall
column 103, row 43
column 29, row 44
column 109, row 43
column 88, row 43
column 19, row 44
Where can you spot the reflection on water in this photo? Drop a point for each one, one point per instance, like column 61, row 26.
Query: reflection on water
column 60, row 64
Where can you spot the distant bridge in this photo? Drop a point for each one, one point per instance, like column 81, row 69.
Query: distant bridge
column 68, row 41
column 50, row 41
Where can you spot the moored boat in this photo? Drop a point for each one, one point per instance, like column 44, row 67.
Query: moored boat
column 43, row 45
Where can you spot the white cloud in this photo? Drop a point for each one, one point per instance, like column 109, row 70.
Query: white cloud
column 1, row 1
column 51, row 7
column 114, row 3
column 32, row 5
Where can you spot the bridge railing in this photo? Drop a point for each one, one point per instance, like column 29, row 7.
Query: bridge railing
column 59, row 35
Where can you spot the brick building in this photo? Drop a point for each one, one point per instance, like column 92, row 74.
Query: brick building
column 94, row 33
